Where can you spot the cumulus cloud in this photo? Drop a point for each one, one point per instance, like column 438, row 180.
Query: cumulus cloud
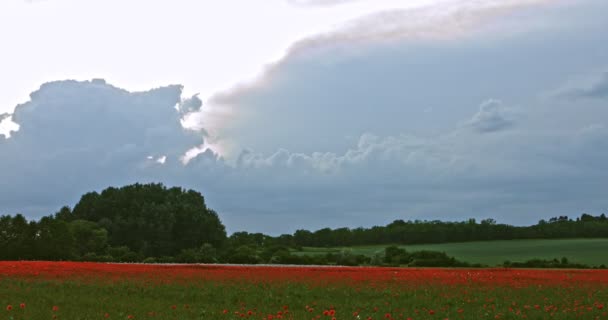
column 340, row 140
column 74, row 136
column 192, row 104
column 98, row 135
column 492, row 116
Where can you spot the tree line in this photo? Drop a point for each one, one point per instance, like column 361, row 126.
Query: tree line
column 153, row 223
column 426, row 232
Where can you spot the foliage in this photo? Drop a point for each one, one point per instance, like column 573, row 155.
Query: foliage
column 124, row 224
column 425, row 232
column 155, row 224
column 51, row 290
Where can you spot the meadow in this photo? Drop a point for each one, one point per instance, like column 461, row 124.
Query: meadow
column 492, row 253
column 72, row 290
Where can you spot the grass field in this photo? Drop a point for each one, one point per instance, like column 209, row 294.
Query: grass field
column 586, row 251
column 82, row 291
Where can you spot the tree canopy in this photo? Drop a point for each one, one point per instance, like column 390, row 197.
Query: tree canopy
column 150, row 220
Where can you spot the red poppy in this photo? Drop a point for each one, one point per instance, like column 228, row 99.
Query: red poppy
column 9, row 307
column 22, row 305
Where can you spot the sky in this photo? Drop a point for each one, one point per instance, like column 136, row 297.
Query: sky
column 291, row 114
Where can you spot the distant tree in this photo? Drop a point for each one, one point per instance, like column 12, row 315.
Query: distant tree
column 151, row 219
column 16, row 238
column 54, row 240
column 88, row 237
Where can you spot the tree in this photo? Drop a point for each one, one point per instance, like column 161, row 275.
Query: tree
column 88, row 237
column 151, row 219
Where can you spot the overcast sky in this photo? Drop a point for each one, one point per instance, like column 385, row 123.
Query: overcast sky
column 293, row 114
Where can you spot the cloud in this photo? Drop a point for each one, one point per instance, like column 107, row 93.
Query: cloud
column 98, row 135
column 319, row 3
column 492, row 116
column 75, row 136
column 439, row 21
column 192, row 104
column 598, row 90
column 342, row 138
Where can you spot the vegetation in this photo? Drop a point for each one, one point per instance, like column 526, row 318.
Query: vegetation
column 151, row 223
column 51, row 290
column 125, row 224
column 492, row 253
column 424, row 232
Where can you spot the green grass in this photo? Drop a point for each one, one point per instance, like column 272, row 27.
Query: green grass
column 587, row 251
column 85, row 300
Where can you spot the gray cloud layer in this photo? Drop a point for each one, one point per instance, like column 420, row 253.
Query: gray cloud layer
column 443, row 20
column 598, row 90
column 409, row 130
column 492, row 116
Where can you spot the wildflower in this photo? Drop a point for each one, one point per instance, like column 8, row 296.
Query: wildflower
column 9, row 308
column 22, row 305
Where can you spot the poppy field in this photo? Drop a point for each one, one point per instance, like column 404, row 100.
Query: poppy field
column 73, row 290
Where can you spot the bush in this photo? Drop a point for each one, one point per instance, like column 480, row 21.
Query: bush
column 150, row 260
column 540, row 263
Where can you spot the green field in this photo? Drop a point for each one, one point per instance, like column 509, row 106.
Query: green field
column 587, row 251
column 88, row 291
